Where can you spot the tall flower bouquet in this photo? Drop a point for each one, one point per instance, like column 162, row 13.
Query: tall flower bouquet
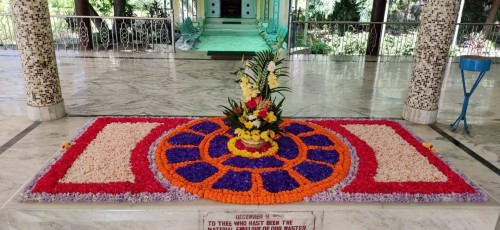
column 256, row 118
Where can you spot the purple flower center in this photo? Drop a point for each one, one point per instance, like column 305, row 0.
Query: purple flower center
column 313, row 171
column 196, row 172
column 297, row 128
column 177, row 155
column 205, row 127
column 317, row 140
column 185, row 139
column 236, row 181
column 328, row 156
column 287, row 148
column 277, row 181
column 218, row 146
column 263, row 162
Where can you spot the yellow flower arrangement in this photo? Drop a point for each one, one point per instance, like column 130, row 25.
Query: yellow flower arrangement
column 255, row 134
column 244, row 153
column 257, row 116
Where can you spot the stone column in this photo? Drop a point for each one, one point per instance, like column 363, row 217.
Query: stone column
column 35, row 43
column 429, row 65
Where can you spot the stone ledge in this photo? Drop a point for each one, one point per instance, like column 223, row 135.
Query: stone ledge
column 190, row 215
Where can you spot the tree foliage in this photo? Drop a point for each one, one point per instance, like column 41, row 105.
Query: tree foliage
column 476, row 11
column 405, row 10
column 342, row 10
column 103, row 7
column 347, row 10
column 153, row 8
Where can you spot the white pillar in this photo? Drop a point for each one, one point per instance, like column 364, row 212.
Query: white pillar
column 429, row 65
column 34, row 38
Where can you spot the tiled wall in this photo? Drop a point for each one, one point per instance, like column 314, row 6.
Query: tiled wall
column 434, row 39
column 35, row 44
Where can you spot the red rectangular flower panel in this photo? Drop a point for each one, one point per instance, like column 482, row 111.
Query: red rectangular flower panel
column 140, row 159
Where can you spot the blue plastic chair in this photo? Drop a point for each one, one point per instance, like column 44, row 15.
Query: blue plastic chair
column 476, row 64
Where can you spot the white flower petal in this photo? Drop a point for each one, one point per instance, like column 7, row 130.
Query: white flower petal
column 271, row 67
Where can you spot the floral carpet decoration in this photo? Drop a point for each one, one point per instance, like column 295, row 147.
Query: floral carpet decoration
column 136, row 159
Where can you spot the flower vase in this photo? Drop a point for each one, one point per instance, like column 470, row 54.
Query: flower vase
column 253, row 144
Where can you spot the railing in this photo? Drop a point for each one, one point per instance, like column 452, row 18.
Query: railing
column 400, row 39
column 136, row 34
column 322, row 37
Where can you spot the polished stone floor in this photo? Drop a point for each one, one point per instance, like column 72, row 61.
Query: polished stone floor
column 191, row 85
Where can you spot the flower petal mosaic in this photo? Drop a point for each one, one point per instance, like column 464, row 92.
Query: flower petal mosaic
column 148, row 159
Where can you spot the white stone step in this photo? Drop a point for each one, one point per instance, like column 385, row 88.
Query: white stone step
column 221, row 20
column 223, row 32
column 230, row 26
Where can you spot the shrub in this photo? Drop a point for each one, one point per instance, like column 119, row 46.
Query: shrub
column 400, row 45
column 320, row 47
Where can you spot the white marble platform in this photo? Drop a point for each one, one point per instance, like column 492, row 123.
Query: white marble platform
column 189, row 215
column 100, row 84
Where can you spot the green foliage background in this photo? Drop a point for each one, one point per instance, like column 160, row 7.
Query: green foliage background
column 474, row 11
column 103, row 7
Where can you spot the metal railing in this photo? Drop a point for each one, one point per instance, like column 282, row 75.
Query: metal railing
column 84, row 33
column 322, row 37
column 398, row 38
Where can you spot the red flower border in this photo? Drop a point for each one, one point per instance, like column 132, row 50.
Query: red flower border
column 144, row 178
column 364, row 181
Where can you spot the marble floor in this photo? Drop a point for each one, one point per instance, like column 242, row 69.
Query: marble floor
column 190, row 85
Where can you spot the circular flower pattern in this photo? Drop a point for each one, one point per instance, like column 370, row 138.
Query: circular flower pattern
column 196, row 157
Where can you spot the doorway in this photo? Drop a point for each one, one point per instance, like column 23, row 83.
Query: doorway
column 230, row 8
